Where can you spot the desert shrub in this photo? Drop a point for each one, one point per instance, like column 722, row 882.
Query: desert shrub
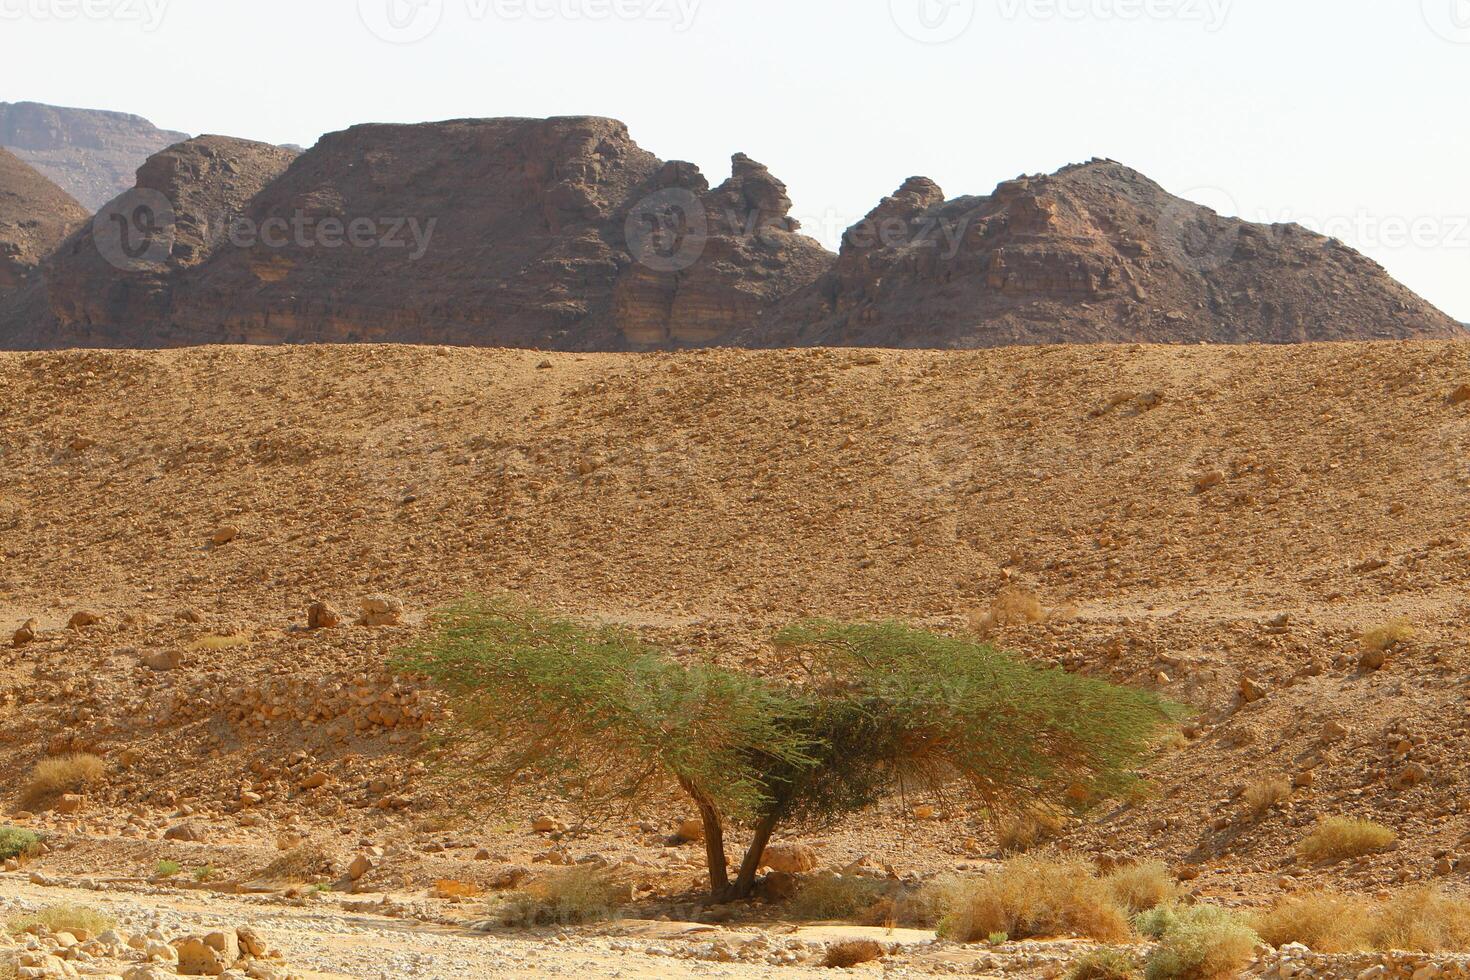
column 64, row 774
column 299, row 866
column 62, row 918
column 837, row 897
column 1263, row 794
column 881, row 707
column 1143, row 886
column 1382, row 638
column 1200, row 942
column 1033, row 897
column 1421, row 920
column 1015, row 606
column 1339, row 838
column 205, row 874
column 1106, row 964
column 1326, row 922
column 1019, row 832
column 8, row 968
column 14, row 842
column 573, row 896
column 852, row 953
column 167, row 869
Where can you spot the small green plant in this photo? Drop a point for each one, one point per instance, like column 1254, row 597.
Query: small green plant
column 574, row 896
column 15, row 842
column 1106, row 964
column 1340, row 838
column 63, row 918
column 1202, row 942
column 997, row 939
column 206, row 873
column 167, row 869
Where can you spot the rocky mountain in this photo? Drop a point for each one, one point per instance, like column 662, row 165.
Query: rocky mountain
column 500, row 232
column 565, row 234
column 204, row 184
column 90, row 153
column 1096, row 252
column 35, row 217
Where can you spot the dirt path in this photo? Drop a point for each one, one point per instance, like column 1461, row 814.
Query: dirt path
column 324, row 941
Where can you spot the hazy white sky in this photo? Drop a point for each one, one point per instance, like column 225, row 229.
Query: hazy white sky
column 1346, row 115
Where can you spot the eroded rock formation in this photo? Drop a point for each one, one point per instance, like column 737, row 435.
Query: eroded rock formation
column 1094, row 253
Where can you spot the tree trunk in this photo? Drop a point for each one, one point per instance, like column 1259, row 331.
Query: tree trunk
column 745, row 883
column 714, row 845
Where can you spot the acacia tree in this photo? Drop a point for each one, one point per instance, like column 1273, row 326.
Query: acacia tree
column 879, row 708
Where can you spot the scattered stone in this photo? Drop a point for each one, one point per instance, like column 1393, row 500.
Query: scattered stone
column 789, row 858
column 26, row 633
column 83, row 619
column 381, row 611
column 70, row 803
column 1252, row 690
column 691, row 831
column 1460, row 395
column 323, row 616
column 360, row 866
column 163, row 660
column 224, row 535
column 186, row 831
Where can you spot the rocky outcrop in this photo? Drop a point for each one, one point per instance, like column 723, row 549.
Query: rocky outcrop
column 1094, row 253
column 748, row 256
column 89, row 153
column 35, row 217
column 496, row 232
column 99, row 294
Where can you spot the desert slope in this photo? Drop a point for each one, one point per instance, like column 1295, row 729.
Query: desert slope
column 1184, row 500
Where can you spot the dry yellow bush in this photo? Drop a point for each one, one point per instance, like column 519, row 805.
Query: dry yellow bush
column 1386, row 637
column 1202, row 942
column 1015, row 606
column 1143, row 886
column 1262, row 795
column 1020, row 832
column 567, row 897
column 1326, row 922
column 837, row 897
column 853, row 952
column 76, row 919
column 1030, row 897
column 65, row 774
column 1339, row 838
column 1422, row 920
column 1106, row 964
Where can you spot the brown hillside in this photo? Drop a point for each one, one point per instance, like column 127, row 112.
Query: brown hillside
column 1094, row 253
column 1212, row 515
column 35, row 216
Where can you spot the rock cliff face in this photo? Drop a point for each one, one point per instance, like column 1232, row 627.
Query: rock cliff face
column 201, row 186
column 1094, row 253
column 498, row 232
column 89, row 153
